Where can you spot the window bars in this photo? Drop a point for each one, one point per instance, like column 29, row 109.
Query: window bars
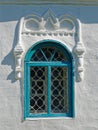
column 48, row 83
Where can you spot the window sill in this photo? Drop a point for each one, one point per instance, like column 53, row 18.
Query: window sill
column 50, row 118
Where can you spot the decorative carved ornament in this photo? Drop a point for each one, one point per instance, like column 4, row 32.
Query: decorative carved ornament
column 50, row 25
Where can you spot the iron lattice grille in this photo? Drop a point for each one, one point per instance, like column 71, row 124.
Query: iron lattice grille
column 59, row 89
column 48, row 77
column 38, row 95
column 48, row 54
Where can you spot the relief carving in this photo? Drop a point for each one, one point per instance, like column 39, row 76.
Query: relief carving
column 50, row 25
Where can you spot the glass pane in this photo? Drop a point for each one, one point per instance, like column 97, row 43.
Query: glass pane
column 59, row 89
column 48, row 54
column 38, row 56
column 38, row 89
column 59, row 56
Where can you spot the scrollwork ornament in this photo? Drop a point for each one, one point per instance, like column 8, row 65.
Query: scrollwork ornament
column 79, row 51
column 18, row 55
column 48, row 26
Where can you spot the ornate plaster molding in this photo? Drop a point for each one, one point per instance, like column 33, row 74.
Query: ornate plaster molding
column 50, row 25
column 79, row 51
column 18, row 51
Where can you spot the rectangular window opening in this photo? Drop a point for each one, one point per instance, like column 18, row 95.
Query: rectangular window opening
column 38, row 89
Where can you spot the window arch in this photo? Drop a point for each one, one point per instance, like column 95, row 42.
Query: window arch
column 48, row 80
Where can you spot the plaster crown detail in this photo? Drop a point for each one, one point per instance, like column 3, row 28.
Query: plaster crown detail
column 48, row 22
column 50, row 25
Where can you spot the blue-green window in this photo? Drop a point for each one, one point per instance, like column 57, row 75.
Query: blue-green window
column 48, row 81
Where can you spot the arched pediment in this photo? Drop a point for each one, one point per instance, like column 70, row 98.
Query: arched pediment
column 49, row 26
column 49, row 22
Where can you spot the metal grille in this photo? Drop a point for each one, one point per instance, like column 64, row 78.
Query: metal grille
column 38, row 56
column 48, row 54
column 38, row 95
column 39, row 83
column 59, row 56
column 59, row 89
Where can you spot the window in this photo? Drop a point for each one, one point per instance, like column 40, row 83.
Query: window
column 48, row 81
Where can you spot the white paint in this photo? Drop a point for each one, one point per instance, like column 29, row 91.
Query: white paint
column 11, row 90
column 47, row 27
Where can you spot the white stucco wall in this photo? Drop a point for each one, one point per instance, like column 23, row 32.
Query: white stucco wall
column 11, row 91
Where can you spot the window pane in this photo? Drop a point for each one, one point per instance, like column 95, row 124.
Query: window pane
column 59, row 89
column 48, row 54
column 38, row 89
column 59, row 56
column 38, row 56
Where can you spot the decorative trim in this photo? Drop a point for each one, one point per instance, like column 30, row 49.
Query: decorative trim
column 18, row 51
column 79, row 51
column 50, row 25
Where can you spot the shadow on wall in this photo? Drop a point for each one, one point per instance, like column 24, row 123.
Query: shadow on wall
column 9, row 58
column 15, row 12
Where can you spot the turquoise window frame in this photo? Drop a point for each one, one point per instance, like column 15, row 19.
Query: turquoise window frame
column 28, row 64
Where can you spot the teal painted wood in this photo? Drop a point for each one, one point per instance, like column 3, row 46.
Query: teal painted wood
column 49, row 64
column 69, row 91
column 53, row 55
column 51, row 43
column 44, row 55
column 25, row 96
column 26, row 91
column 49, row 115
column 73, row 89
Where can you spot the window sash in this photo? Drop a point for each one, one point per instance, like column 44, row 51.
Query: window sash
column 49, row 65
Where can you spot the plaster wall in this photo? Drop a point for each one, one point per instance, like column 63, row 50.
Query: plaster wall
column 11, row 90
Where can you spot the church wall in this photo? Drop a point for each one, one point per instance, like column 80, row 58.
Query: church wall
column 11, row 90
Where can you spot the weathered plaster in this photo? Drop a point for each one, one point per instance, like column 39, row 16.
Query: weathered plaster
column 50, row 27
column 11, row 90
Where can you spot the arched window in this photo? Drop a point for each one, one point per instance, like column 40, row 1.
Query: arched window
column 48, row 81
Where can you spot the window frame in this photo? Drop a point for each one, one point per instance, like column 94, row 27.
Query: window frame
column 28, row 63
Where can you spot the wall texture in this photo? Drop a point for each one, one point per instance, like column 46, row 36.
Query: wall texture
column 11, row 90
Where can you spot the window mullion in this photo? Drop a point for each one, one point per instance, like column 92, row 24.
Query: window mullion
column 28, row 91
column 49, row 89
column 70, row 98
